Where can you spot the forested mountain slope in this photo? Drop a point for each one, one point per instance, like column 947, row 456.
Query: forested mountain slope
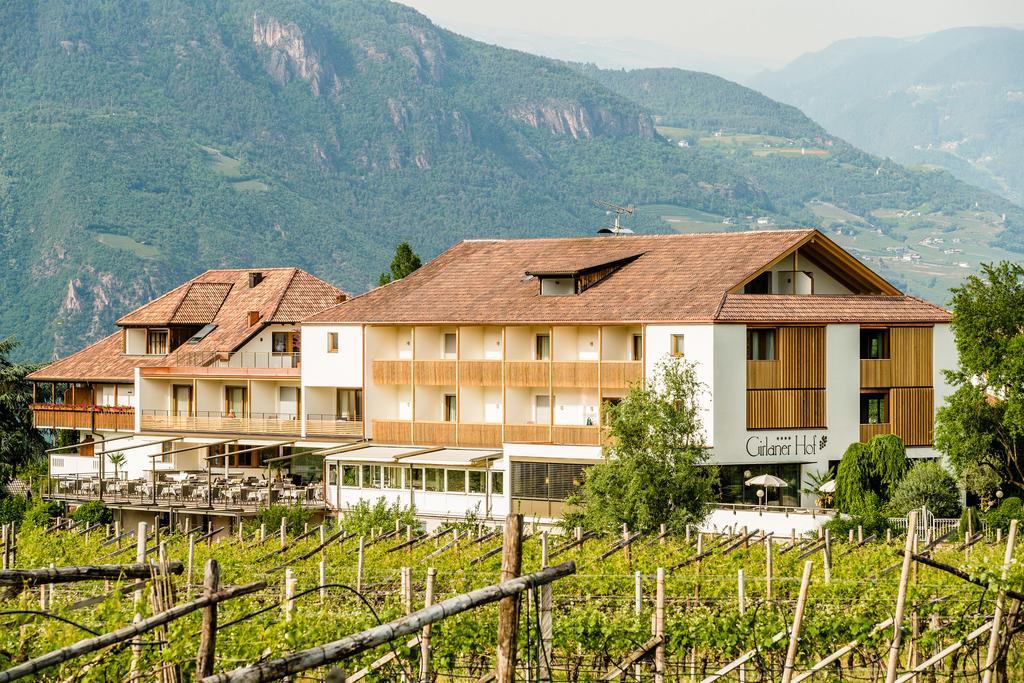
column 141, row 143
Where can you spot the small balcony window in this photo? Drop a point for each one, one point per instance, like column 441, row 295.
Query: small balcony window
column 874, row 409
column 637, row 347
column 543, row 347
column 156, row 342
column 676, row 346
column 874, row 344
column 451, row 345
column 332, row 342
column 761, row 344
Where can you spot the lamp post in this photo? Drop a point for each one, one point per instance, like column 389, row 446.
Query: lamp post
column 760, row 495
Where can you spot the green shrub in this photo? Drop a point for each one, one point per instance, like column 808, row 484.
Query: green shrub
column 868, row 516
column 296, row 515
column 363, row 517
column 930, row 485
column 12, row 509
column 40, row 514
column 999, row 517
column 93, row 512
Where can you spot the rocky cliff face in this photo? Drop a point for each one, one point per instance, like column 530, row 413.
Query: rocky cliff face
column 581, row 120
column 292, row 55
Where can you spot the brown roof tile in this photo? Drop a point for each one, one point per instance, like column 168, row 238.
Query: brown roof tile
column 822, row 308
column 221, row 297
column 676, row 277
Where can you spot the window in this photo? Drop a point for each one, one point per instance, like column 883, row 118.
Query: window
column 234, row 401
column 451, row 345
column 433, row 479
column 497, row 483
column 350, row 475
column 455, row 481
column 156, row 342
column 288, row 403
column 417, row 479
column 637, row 348
column 762, row 284
column 371, row 476
column 392, row 477
column 332, row 342
column 166, row 452
column 332, row 474
column 676, row 345
column 450, row 410
column 350, row 404
column 542, row 350
column 760, row 344
column 107, row 392
column 546, row 481
column 477, row 484
column 542, row 409
column 873, row 409
column 285, row 342
column 181, row 403
column 874, row 344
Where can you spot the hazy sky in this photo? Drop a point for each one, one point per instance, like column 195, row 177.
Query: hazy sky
column 765, row 32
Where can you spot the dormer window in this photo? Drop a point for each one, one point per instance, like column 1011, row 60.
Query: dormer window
column 762, row 284
column 576, row 278
column 561, row 286
column 156, row 342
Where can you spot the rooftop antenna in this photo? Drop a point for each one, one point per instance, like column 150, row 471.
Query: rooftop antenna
column 616, row 229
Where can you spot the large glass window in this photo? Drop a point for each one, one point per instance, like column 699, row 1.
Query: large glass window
column 234, row 401
column 874, row 344
column 733, row 490
column 350, row 475
column 456, row 481
column 416, row 480
column 873, row 409
column 476, row 481
column 546, row 481
column 182, row 403
column 433, row 479
column 450, row 409
column 350, row 404
column 285, row 342
column 371, row 476
column 761, row 344
column 392, row 477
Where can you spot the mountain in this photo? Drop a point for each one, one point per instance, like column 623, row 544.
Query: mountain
column 141, row 143
column 953, row 99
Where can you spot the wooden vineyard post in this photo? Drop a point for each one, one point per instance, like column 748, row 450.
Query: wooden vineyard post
column 208, row 637
column 284, row 533
column 323, row 580
column 888, row 536
column 191, row 563
column 659, row 626
column 7, row 547
column 662, row 533
column 638, row 606
column 543, row 549
column 13, row 537
column 241, row 531
column 359, row 564
column 997, row 617
column 741, row 594
column 828, row 555
column 546, row 635
column 768, row 569
column 901, row 600
column 626, row 549
column 508, row 608
column 407, row 584
column 140, row 553
column 117, row 532
column 263, row 532
column 798, row 618
column 860, row 534
column 428, row 600
column 289, row 594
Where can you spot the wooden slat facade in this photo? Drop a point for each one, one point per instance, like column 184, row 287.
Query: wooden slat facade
column 577, row 435
column 481, row 435
column 789, row 392
column 785, row 408
column 912, row 414
column 392, row 431
column 867, row 431
column 527, row 433
column 61, row 416
column 480, row 373
column 433, row 433
column 911, row 354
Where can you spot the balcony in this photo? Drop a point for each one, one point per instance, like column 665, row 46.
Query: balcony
column 204, row 421
column 876, row 373
column 482, row 435
column 392, row 372
column 867, row 431
column 92, row 418
column 527, row 373
column 621, row 374
column 271, row 360
column 580, row 374
column 480, row 373
column 434, row 372
column 332, row 425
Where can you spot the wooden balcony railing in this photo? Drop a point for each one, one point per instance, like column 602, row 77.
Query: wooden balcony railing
column 480, row 373
column 529, row 433
column 434, row 372
column 527, row 373
column 332, row 425
column 481, row 435
column 223, row 423
column 621, row 374
column 876, row 373
column 92, row 418
column 392, row 372
column 576, row 435
column 581, row 374
column 870, row 430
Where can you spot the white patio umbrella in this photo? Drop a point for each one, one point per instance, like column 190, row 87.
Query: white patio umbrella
column 828, row 487
column 767, row 481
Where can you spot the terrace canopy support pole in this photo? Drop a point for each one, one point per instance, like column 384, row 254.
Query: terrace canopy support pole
column 508, row 608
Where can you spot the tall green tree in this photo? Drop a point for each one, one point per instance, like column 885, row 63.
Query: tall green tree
column 656, row 472
column 981, row 424
column 20, row 442
column 405, row 261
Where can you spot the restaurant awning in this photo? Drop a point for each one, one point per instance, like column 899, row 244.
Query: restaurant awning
column 377, row 454
column 453, row 457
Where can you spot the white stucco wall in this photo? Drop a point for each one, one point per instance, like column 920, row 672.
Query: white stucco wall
column 700, row 346
column 341, row 369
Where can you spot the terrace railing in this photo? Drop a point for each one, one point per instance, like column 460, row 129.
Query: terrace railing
column 88, row 417
column 287, row 424
column 238, row 359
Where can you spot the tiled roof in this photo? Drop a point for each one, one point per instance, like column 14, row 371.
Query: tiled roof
column 221, row 297
column 103, row 361
column 821, row 308
column 675, row 278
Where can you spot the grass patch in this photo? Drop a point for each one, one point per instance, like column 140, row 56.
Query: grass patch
column 125, row 243
column 251, row 185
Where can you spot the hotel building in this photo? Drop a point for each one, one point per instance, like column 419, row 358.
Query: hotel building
column 478, row 383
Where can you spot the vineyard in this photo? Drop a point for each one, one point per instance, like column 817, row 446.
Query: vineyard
column 722, row 598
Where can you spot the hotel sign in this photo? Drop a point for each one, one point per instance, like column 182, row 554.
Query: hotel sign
column 795, row 445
